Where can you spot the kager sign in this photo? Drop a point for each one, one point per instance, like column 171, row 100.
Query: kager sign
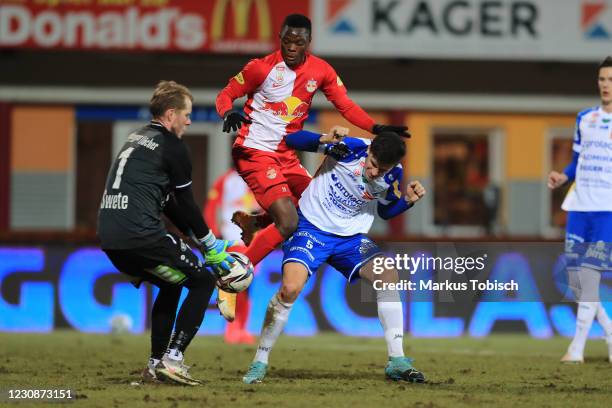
column 466, row 29
column 457, row 18
column 161, row 25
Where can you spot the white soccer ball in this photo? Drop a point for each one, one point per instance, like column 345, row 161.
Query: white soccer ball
column 240, row 276
column 121, row 323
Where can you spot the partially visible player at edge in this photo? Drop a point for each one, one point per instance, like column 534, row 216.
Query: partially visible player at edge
column 357, row 180
column 150, row 176
column 588, row 239
column 280, row 88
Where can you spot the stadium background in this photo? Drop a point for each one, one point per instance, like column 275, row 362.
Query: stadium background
column 489, row 89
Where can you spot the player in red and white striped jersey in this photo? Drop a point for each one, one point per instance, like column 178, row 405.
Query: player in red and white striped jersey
column 279, row 89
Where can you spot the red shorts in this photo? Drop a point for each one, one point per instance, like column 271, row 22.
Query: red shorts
column 271, row 175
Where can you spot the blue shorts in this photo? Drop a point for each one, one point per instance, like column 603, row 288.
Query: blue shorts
column 588, row 239
column 311, row 247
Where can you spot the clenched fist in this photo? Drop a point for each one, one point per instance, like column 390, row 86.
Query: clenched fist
column 335, row 135
column 415, row 191
column 556, row 179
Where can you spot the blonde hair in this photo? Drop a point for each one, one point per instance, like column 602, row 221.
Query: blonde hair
column 168, row 95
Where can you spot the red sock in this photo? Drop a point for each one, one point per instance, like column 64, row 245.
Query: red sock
column 264, row 242
column 232, row 331
column 237, row 248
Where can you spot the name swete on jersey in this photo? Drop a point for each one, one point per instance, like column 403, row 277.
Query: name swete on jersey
column 151, row 164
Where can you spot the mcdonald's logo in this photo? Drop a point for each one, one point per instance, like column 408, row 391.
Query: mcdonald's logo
column 241, row 11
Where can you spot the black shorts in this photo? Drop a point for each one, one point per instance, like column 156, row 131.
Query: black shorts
column 167, row 262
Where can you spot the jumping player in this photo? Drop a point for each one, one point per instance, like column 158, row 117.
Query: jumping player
column 356, row 180
column 279, row 89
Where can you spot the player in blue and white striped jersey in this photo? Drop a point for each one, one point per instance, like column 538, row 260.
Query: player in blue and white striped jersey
column 357, row 179
column 588, row 240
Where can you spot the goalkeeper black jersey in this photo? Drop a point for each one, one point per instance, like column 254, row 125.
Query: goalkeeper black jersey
column 151, row 164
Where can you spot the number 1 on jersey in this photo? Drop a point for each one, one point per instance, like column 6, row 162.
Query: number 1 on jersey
column 123, row 156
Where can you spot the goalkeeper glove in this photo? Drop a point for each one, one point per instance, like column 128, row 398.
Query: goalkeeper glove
column 214, row 252
column 233, row 120
column 400, row 130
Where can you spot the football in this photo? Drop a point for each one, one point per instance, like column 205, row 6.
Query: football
column 120, row 323
column 240, row 276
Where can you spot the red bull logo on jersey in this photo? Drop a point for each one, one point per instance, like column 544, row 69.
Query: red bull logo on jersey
column 280, row 73
column 288, row 109
column 271, row 173
column 311, row 85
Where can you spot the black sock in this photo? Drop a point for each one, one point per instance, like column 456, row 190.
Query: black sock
column 191, row 314
column 162, row 319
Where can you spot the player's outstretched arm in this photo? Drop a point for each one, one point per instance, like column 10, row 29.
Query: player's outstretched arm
column 307, row 141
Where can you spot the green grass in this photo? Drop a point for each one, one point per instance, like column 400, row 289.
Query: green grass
column 324, row 371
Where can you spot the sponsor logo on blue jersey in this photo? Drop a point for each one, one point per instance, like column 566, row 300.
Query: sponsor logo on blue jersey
column 342, row 199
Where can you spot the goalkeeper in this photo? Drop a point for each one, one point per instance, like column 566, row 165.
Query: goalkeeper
column 150, row 176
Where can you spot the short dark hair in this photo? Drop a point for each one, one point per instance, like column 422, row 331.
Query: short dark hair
column 298, row 21
column 168, row 95
column 607, row 63
column 388, row 148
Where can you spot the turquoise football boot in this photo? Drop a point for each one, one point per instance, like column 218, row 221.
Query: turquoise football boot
column 256, row 373
column 400, row 368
